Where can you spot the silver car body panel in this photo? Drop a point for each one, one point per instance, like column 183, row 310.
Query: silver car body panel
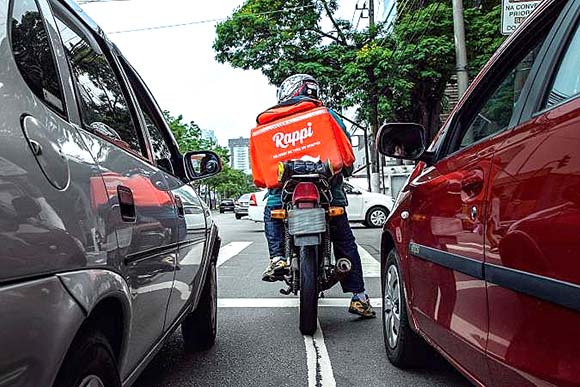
column 60, row 221
column 39, row 319
column 89, row 287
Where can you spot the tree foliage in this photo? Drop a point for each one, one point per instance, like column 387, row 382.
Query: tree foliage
column 399, row 70
column 230, row 182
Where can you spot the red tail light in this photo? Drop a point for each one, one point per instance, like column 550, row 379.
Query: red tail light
column 253, row 201
column 305, row 192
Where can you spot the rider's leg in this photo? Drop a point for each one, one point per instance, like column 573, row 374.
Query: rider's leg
column 344, row 244
column 274, row 230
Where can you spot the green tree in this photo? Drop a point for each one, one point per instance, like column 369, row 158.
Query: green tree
column 231, row 183
column 392, row 72
column 228, row 183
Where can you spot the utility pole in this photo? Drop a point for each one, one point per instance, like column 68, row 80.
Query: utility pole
column 460, row 52
column 374, row 109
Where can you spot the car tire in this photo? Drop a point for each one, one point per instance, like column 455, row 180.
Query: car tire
column 238, row 217
column 404, row 347
column 376, row 217
column 199, row 328
column 89, row 362
column 221, row 211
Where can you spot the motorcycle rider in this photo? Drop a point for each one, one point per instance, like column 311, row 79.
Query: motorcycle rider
column 293, row 90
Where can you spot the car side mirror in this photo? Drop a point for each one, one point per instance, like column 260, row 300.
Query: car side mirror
column 402, row 141
column 201, row 164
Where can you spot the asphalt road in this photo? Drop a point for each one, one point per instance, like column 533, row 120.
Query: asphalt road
column 259, row 343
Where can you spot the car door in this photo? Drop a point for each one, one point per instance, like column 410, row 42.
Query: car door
column 141, row 207
column 192, row 228
column 449, row 205
column 47, row 222
column 355, row 202
column 534, row 223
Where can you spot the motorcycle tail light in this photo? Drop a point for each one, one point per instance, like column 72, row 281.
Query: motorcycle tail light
column 305, row 192
column 278, row 214
column 335, row 211
column 253, row 201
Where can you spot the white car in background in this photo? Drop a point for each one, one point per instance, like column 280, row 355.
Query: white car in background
column 257, row 206
column 371, row 209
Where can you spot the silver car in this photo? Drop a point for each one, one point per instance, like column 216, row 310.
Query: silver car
column 104, row 247
column 241, row 206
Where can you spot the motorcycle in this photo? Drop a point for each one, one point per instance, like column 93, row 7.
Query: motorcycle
column 306, row 212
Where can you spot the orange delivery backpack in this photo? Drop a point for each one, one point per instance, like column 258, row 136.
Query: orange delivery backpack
column 302, row 131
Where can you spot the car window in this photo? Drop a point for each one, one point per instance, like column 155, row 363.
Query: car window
column 103, row 106
column 348, row 189
column 161, row 150
column 33, row 53
column 496, row 113
column 566, row 83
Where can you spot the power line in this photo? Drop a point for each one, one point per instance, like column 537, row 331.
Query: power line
column 358, row 22
column 82, row 2
column 382, row 90
column 208, row 20
column 354, row 14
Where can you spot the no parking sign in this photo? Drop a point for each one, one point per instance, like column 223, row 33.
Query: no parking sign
column 514, row 12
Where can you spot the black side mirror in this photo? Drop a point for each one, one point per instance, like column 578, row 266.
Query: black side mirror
column 201, row 164
column 401, row 141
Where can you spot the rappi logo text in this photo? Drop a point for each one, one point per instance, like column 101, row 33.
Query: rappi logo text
column 284, row 140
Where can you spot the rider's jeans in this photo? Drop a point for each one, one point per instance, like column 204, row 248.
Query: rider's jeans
column 343, row 242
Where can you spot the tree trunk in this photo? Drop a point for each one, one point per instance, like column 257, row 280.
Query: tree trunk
column 430, row 117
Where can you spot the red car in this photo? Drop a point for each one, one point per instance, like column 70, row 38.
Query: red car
column 481, row 256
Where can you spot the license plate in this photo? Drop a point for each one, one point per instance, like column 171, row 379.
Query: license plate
column 307, row 221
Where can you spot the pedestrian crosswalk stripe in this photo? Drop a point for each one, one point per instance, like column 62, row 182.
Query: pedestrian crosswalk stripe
column 371, row 267
column 231, row 250
column 285, row 302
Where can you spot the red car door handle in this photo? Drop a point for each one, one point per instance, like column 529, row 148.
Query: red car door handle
column 126, row 204
column 472, row 183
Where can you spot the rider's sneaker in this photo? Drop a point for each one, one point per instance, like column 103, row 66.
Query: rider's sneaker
column 361, row 308
column 275, row 270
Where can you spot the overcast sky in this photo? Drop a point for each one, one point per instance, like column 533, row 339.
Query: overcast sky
column 178, row 63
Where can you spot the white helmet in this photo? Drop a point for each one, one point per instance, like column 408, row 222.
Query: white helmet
column 296, row 85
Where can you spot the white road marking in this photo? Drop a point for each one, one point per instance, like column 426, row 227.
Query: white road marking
column 231, row 250
column 318, row 362
column 286, row 302
column 371, row 267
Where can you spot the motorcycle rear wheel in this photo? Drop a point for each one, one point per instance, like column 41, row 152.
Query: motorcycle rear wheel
column 308, row 289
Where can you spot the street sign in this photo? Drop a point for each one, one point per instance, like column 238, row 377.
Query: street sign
column 514, row 12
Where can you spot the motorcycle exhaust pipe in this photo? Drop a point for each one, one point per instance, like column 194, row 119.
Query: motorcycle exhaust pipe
column 343, row 266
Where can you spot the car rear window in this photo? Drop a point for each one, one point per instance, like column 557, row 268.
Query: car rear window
column 33, row 54
column 566, row 83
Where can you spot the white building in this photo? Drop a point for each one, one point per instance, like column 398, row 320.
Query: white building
column 240, row 154
column 209, row 134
